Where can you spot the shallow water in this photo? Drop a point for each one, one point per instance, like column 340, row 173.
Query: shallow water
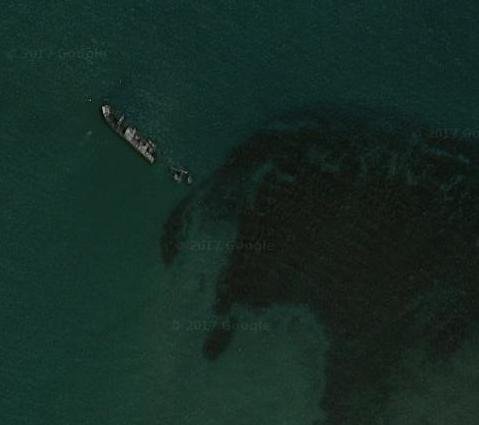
column 88, row 311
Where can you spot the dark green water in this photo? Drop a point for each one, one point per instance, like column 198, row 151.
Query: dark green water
column 88, row 314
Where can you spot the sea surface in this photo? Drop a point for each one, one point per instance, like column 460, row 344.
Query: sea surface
column 94, row 329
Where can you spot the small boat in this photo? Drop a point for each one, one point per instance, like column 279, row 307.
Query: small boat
column 181, row 175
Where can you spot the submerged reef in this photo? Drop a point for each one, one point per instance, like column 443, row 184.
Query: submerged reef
column 371, row 220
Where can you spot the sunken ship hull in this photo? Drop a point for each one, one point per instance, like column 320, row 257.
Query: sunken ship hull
column 144, row 146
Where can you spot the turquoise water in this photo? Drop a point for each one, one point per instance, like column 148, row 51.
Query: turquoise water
column 88, row 313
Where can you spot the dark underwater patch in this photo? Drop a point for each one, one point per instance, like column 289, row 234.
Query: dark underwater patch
column 372, row 221
column 218, row 339
column 172, row 237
